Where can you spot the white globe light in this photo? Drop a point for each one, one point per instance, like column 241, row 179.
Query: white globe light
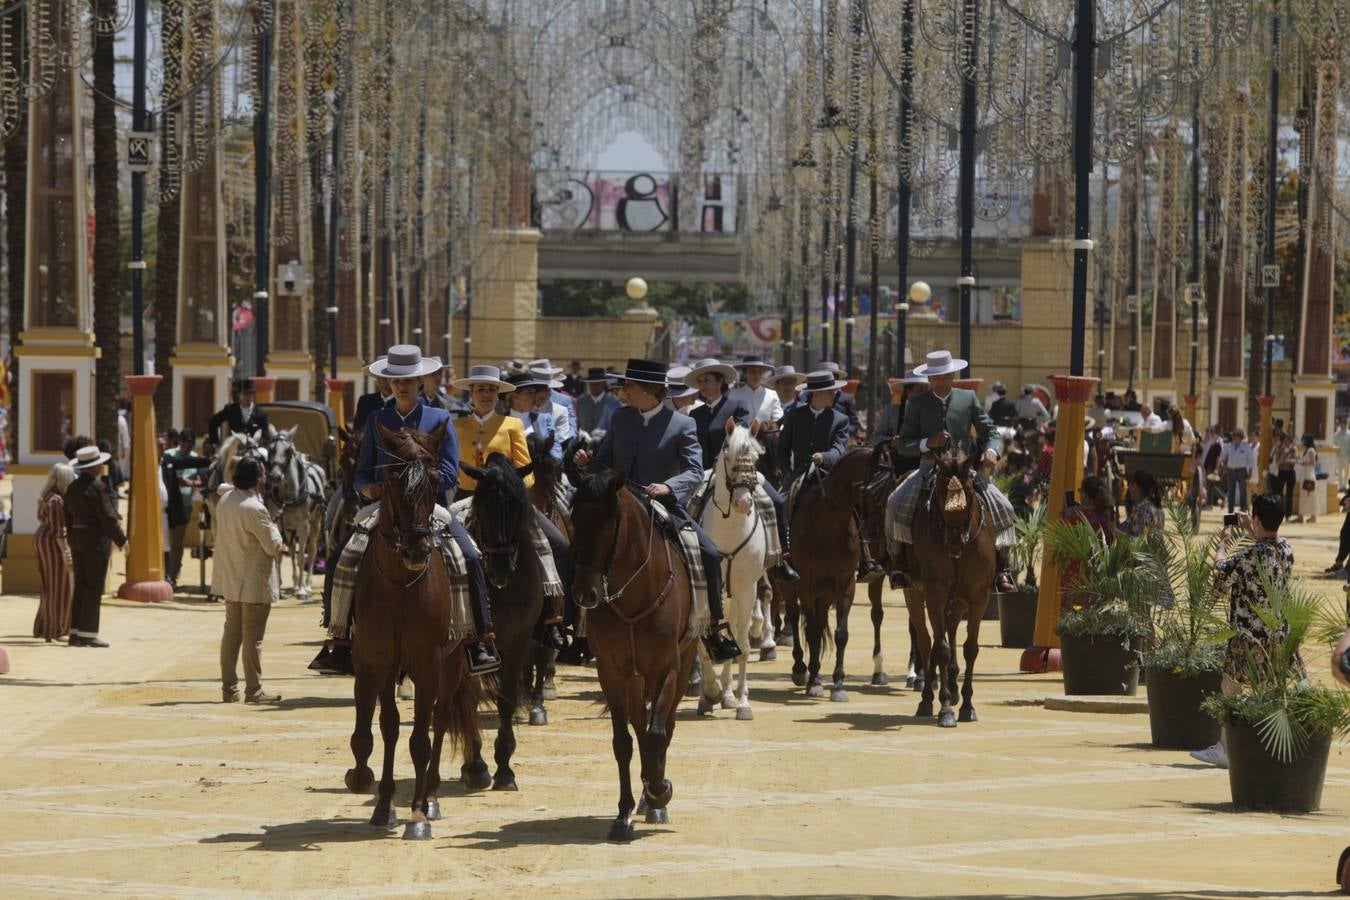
column 919, row 291
column 636, row 288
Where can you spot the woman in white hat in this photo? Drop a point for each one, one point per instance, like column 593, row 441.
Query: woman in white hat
column 754, row 394
column 713, row 379
column 784, row 381
column 679, row 395
column 92, row 527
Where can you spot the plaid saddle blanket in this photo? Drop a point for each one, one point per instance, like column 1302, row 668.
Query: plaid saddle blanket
column 553, row 586
column 700, row 622
column 905, row 500
column 773, row 548
column 344, row 579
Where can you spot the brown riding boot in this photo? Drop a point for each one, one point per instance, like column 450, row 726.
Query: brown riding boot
column 900, row 575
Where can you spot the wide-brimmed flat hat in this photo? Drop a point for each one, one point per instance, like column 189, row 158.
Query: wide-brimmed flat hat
column 595, row 374
column 910, row 378
column 484, row 375
column 645, row 371
column 404, row 361
column 783, row 372
column 704, row 366
column 822, row 380
column 548, row 374
column 89, row 458
column 753, row 362
column 676, row 386
column 940, row 362
column 545, row 364
column 527, row 379
column 378, row 359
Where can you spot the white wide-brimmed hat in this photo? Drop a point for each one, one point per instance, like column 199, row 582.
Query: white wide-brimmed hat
column 379, row 359
column 940, row 362
column 822, row 380
column 547, row 374
column 754, row 362
column 676, row 387
column 710, row 365
column 484, row 375
column 785, row 372
column 544, row 364
column 910, row 378
column 89, row 458
column 404, row 361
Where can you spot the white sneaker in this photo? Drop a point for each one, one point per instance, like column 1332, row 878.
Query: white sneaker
column 1215, row 756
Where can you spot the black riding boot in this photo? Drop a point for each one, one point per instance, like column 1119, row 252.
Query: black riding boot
column 720, row 643
column 482, row 652
column 784, row 570
column 900, row 575
column 549, row 631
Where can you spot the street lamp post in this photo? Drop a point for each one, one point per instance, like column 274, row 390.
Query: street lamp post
column 969, row 61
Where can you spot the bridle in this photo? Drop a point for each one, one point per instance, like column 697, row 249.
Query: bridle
column 611, row 597
column 739, row 474
column 294, row 463
column 955, row 540
column 399, row 541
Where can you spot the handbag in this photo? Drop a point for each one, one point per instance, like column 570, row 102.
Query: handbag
column 1309, row 485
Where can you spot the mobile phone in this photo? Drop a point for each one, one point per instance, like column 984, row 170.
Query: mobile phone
column 1230, row 519
column 1068, row 498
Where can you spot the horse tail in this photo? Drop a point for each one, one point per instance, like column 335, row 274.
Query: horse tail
column 461, row 725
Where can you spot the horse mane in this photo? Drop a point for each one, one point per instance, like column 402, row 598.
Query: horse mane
column 501, row 490
column 409, row 446
column 740, row 444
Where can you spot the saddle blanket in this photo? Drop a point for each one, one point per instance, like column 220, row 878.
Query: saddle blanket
column 904, row 503
column 700, row 621
column 553, row 586
column 773, row 548
column 344, row 577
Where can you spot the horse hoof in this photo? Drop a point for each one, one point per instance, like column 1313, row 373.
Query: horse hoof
column 919, row 685
column 621, row 832
column 386, row 819
column 705, row 706
column 879, row 679
column 658, row 800
column 417, row 831
column 549, row 692
column 925, row 710
column 815, row 690
column 475, row 779
column 799, row 678
column 359, row 780
column 433, row 810
column 728, row 700
column 910, row 679
column 838, row 695
column 744, row 714
column 768, row 654
column 946, row 719
column 658, row 817
column 538, row 716
column 504, row 784
column 967, row 715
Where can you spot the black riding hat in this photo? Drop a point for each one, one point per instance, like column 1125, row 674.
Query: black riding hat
column 646, row 371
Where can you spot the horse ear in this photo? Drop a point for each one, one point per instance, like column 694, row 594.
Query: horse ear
column 472, row 471
column 617, row 482
column 526, row 470
column 383, row 433
column 290, row 432
column 731, row 425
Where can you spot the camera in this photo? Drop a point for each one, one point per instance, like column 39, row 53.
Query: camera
column 1230, row 519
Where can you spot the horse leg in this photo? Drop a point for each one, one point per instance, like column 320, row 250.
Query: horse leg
column 359, row 778
column 768, row 644
column 708, row 689
column 439, row 719
column 384, row 815
column 473, row 772
column 653, row 741
column 792, row 627
column 939, row 661
column 971, row 651
column 878, row 615
column 550, row 692
column 622, row 828
column 915, row 660
column 953, row 667
column 426, row 673
column 923, row 650
column 845, row 604
column 539, row 660
column 507, row 699
column 815, row 632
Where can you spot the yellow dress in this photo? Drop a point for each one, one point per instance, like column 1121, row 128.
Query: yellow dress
column 479, row 440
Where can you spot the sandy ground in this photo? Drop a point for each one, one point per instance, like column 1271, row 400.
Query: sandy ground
column 126, row 776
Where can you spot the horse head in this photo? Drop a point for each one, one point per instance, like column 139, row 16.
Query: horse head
column 597, row 518
column 501, row 514
column 411, row 480
column 954, row 488
column 736, row 466
column 285, row 470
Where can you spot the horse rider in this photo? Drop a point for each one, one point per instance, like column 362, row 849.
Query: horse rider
column 1030, row 408
column 546, row 403
column 485, row 431
column 558, row 394
column 816, row 433
column 1002, row 410
column 843, row 401
column 714, row 379
column 521, row 405
column 680, row 397
column 659, row 453
column 242, row 414
column 433, row 391
column 933, row 419
column 888, row 424
column 595, row 404
column 404, row 367
column 382, row 396
column 785, row 380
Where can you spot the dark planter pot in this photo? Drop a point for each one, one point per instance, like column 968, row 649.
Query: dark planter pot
column 1098, row 664
column 1260, row 781
column 1174, row 714
column 1017, row 618
column 991, row 608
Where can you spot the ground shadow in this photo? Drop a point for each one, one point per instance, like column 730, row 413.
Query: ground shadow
column 290, row 703
column 305, row 836
column 859, row 721
column 565, row 830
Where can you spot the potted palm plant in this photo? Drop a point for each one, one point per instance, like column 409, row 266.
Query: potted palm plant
column 1109, row 586
column 1017, row 609
column 1279, row 726
column 1183, row 656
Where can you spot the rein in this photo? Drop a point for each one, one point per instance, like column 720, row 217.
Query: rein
column 973, row 525
column 741, row 474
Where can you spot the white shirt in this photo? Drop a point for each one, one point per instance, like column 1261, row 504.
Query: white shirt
column 1152, row 422
column 762, row 402
column 524, row 418
column 649, row 414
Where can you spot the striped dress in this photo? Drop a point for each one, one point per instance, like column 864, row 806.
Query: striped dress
column 53, row 561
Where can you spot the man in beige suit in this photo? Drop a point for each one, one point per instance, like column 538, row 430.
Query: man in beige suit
column 247, row 544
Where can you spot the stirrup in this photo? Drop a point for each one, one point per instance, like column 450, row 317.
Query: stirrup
column 491, row 661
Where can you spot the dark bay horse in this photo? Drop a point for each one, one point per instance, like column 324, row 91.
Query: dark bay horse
column 548, row 496
column 631, row 579
column 502, row 516
column 955, row 559
column 826, row 545
column 402, row 600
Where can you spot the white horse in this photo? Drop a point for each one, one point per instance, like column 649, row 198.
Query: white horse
column 296, row 499
column 734, row 525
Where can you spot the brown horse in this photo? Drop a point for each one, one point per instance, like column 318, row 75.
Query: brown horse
column 639, row 630
column 826, row 548
column 501, row 526
column 546, row 493
column 403, row 621
column 955, row 558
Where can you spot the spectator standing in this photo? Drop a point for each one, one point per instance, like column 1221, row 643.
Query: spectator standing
column 247, row 543
column 122, row 472
column 1284, row 459
column 1342, row 440
column 179, row 471
column 1146, row 515
column 1030, row 408
column 1002, row 410
column 573, row 383
column 1237, row 462
column 1310, row 490
column 1343, row 551
column 92, row 529
column 55, row 568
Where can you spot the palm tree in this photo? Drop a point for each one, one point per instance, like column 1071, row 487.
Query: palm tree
column 107, row 293
column 166, row 253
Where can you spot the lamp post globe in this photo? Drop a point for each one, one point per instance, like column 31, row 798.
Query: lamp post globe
column 919, row 291
column 636, row 288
